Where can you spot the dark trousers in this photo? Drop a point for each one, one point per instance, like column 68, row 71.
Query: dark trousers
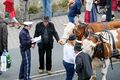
column 69, row 70
column 48, row 50
column 25, row 65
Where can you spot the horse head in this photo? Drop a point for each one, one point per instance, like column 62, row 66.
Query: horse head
column 96, row 47
column 80, row 31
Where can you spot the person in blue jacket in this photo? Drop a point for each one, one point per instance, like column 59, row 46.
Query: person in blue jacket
column 74, row 10
column 25, row 45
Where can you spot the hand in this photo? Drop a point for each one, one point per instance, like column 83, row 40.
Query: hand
column 78, row 15
column 32, row 40
column 61, row 41
column 33, row 45
column 19, row 25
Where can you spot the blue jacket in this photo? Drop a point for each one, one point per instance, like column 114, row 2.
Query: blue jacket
column 75, row 8
column 25, row 39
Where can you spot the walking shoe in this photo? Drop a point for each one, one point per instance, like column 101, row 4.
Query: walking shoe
column 41, row 71
column 49, row 72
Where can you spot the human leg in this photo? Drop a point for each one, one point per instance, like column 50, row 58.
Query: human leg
column 21, row 72
column 49, row 7
column 93, row 14
column 0, row 66
column 25, row 65
column 41, row 58
column 69, row 70
column 44, row 3
column 105, row 69
column 48, row 59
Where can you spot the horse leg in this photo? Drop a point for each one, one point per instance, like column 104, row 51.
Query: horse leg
column 93, row 77
column 95, row 64
column 105, row 68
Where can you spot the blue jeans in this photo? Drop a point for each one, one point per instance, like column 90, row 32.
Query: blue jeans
column 71, row 19
column 25, row 65
column 69, row 70
column 47, row 7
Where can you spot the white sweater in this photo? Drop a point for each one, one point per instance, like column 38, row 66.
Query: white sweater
column 68, row 53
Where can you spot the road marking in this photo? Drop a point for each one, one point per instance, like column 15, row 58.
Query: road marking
column 54, row 73
column 45, row 75
column 48, row 76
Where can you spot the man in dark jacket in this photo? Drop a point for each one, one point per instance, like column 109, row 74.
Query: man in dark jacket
column 25, row 45
column 83, row 64
column 46, row 30
column 3, row 36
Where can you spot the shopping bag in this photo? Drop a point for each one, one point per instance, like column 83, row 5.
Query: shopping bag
column 8, row 60
column 3, row 62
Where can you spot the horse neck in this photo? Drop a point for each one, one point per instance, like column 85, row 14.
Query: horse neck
column 107, row 50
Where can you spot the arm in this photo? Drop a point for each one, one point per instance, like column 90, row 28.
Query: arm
column 55, row 33
column 78, row 62
column 24, row 40
column 5, row 36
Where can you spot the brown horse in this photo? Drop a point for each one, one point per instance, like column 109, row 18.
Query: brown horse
column 83, row 29
column 103, row 47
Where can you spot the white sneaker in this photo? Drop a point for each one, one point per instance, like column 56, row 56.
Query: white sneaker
column 41, row 71
column 49, row 72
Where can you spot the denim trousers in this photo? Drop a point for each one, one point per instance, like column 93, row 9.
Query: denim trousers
column 25, row 65
column 69, row 70
column 47, row 7
column 71, row 19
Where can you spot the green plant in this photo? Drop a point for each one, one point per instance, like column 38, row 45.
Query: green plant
column 63, row 3
column 33, row 9
column 54, row 7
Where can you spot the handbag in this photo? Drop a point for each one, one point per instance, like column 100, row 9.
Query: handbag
column 5, row 61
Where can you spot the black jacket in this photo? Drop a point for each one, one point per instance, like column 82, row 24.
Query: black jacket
column 3, row 37
column 83, row 66
column 25, row 39
column 51, row 32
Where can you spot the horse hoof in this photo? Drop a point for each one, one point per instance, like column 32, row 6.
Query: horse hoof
column 93, row 78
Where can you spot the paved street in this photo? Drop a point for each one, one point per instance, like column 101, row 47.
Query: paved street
column 12, row 73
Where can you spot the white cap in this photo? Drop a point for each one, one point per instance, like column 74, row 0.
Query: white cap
column 28, row 23
column 103, row 18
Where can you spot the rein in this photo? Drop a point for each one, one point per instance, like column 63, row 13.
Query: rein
column 88, row 30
